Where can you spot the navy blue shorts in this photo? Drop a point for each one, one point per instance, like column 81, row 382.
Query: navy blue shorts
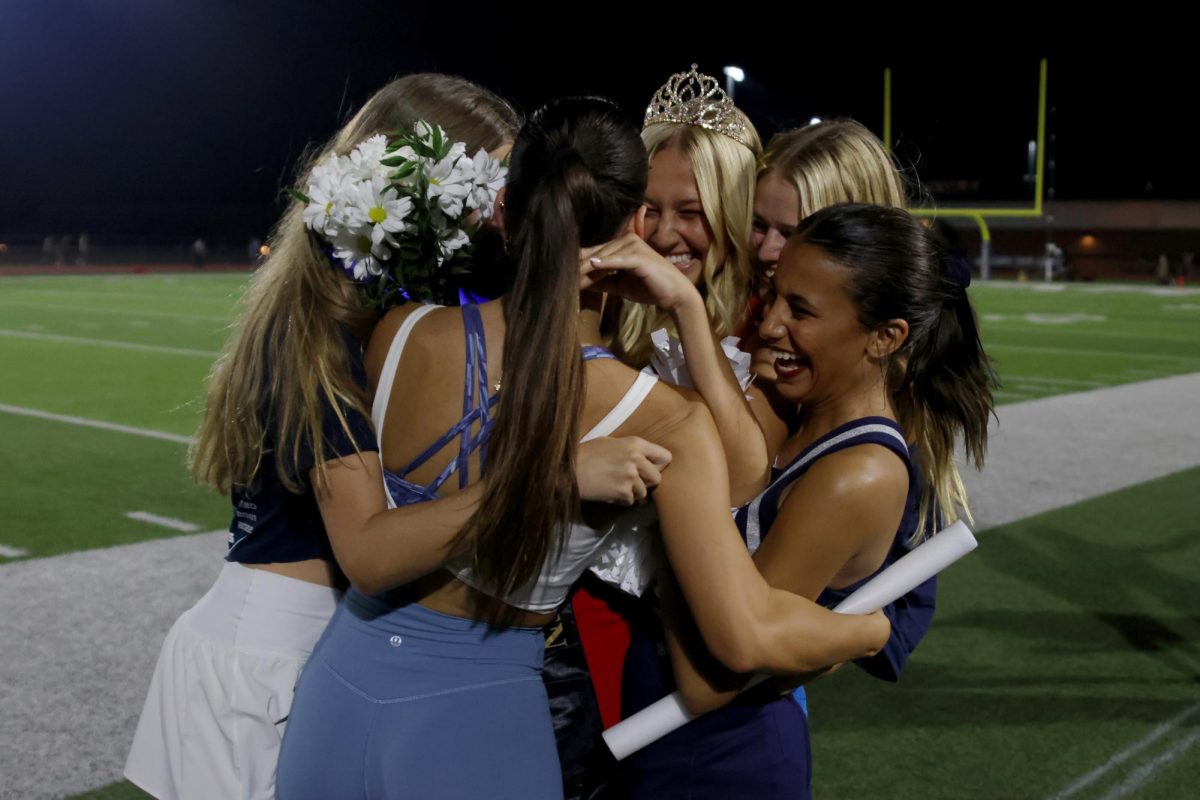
column 743, row 750
column 755, row 747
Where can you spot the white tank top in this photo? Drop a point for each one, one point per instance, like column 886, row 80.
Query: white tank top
column 548, row 589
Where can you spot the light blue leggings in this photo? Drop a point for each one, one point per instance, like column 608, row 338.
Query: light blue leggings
column 405, row 702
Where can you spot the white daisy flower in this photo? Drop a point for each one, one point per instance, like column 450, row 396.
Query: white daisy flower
column 424, row 130
column 488, row 179
column 450, row 242
column 328, row 189
column 318, row 214
column 359, row 254
column 447, row 184
column 364, row 159
column 365, row 211
column 382, row 210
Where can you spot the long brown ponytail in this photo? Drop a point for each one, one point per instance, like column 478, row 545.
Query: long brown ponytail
column 577, row 173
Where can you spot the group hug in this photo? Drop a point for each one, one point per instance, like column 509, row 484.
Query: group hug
column 528, row 422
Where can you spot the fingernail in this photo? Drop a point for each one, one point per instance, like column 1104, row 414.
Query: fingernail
column 595, row 260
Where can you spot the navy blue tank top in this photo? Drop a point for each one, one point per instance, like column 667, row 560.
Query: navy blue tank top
column 910, row 616
column 757, row 745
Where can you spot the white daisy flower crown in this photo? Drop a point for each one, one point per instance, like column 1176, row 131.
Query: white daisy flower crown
column 398, row 212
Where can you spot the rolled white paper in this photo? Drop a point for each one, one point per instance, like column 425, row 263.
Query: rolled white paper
column 907, row 573
column 910, row 571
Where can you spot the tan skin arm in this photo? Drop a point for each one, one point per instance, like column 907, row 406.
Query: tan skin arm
column 772, row 413
column 377, row 547
column 859, row 492
column 746, row 624
column 628, row 267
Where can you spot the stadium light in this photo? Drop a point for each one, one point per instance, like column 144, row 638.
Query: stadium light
column 733, row 75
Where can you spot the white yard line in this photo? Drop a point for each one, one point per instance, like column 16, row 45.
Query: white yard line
column 1082, row 384
column 11, row 552
column 126, row 312
column 1073, row 351
column 1093, row 288
column 95, row 423
column 144, row 348
column 223, row 299
column 1129, row 752
column 164, row 522
column 1148, row 771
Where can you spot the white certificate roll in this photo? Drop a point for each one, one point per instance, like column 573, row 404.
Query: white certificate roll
column 926, row 560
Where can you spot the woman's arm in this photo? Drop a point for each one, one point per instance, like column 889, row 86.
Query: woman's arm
column 628, row 267
column 834, row 527
column 380, row 548
column 745, row 623
column 773, row 412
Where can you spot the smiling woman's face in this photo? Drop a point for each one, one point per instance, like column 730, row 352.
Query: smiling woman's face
column 776, row 215
column 811, row 327
column 675, row 223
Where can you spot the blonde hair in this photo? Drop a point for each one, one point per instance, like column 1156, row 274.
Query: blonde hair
column 724, row 171
column 835, row 161
column 840, row 161
column 287, row 356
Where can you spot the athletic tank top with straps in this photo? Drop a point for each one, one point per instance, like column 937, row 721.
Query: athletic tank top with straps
column 910, row 615
column 756, row 517
column 547, row 590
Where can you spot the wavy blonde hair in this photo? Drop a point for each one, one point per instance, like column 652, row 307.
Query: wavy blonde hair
column 286, row 357
column 724, row 171
column 835, row 161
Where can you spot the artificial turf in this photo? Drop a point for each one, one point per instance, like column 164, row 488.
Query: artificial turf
column 1068, row 637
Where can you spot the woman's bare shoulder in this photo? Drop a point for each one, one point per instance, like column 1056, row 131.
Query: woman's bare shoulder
column 662, row 409
column 436, row 323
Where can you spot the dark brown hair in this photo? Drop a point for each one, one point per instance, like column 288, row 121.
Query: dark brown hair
column 940, row 379
column 578, row 172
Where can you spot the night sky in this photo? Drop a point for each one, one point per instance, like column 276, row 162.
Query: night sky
column 167, row 119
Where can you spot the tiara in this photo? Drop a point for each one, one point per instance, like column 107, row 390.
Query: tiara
column 694, row 98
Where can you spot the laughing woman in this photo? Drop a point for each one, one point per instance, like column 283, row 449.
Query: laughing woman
column 874, row 338
column 702, row 154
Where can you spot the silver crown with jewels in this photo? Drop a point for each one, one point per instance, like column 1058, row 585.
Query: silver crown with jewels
column 693, row 98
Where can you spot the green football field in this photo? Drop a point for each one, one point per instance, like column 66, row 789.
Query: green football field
column 1065, row 658
column 134, row 351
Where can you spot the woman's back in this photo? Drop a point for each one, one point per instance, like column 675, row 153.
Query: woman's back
column 429, row 398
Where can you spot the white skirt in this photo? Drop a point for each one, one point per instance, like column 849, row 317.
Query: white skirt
column 222, row 689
